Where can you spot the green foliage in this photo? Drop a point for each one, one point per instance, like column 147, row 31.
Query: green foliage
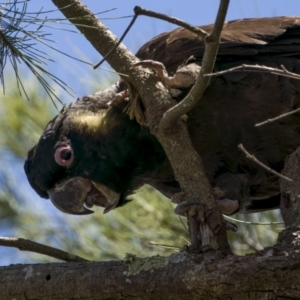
column 250, row 237
column 7, row 198
column 21, row 120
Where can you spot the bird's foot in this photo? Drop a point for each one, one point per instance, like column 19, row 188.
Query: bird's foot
column 218, row 193
column 225, row 206
column 178, row 198
column 158, row 68
column 183, row 78
column 119, row 98
column 231, row 226
column 185, row 209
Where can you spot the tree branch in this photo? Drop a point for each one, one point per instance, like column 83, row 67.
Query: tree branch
column 141, row 11
column 97, row 34
column 256, row 68
column 119, row 42
column 278, row 117
column 27, row 245
column 211, row 49
column 270, row 274
column 262, row 69
column 259, row 163
column 252, row 223
column 177, row 145
column 198, row 31
column 290, row 191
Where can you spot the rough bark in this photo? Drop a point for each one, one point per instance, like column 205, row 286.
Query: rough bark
column 290, row 191
column 271, row 274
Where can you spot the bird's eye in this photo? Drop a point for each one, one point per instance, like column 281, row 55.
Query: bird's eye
column 64, row 156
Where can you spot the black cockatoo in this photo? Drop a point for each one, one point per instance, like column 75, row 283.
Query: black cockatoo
column 93, row 154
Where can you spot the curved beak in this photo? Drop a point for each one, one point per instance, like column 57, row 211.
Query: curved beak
column 70, row 197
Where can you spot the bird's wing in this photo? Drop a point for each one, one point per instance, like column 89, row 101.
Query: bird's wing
column 244, row 38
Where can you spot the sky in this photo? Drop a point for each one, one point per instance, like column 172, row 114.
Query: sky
column 79, row 75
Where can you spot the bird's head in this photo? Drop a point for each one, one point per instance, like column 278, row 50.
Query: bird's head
column 89, row 155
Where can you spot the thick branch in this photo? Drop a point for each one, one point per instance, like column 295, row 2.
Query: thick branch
column 271, row 274
column 290, row 191
column 216, row 225
column 97, row 34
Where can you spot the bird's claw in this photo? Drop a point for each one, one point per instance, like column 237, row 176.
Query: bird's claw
column 119, row 98
column 218, row 193
column 184, row 77
column 185, row 208
column 178, row 198
column 225, row 206
column 157, row 67
column 231, row 226
column 188, row 208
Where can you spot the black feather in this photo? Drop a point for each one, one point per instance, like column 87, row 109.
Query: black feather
column 122, row 155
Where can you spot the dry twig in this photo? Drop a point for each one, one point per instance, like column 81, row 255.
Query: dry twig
column 27, row 245
column 118, row 43
column 210, row 53
column 277, row 118
column 259, row 163
column 252, row 223
column 198, row 31
column 262, row 69
column 256, row 68
column 141, row 11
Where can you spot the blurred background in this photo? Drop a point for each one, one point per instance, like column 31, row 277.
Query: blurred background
column 147, row 226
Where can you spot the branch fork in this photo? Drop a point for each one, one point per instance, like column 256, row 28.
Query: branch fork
column 176, row 142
